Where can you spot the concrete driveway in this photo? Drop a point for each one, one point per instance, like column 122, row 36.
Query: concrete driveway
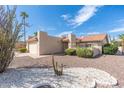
column 17, row 54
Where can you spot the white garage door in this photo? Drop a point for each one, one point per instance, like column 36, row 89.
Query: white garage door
column 33, row 48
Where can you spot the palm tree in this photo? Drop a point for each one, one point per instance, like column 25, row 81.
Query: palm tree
column 24, row 15
column 122, row 41
column 35, row 33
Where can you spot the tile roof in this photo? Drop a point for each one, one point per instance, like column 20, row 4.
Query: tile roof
column 32, row 39
column 65, row 39
column 92, row 38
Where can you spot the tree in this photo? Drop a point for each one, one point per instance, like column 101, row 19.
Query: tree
column 114, row 41
column 122, row 41
column 35, row 33
column 9, row 35
column 24, row 15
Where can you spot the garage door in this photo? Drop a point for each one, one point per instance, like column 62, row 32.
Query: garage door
column 33, row 48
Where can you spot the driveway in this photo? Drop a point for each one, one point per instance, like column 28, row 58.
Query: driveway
column 17, row 54
column 109, row 63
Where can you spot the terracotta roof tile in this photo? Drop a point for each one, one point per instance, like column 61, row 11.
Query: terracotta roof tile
column 32, row 39
column 99, row 37
column 91, row 38
column 65, row 39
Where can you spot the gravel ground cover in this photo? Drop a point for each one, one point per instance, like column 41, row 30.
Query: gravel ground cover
column 112, row 64
column 72, row 78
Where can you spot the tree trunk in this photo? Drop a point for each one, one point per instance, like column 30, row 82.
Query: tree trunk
column 122, row 46
column 24, row 33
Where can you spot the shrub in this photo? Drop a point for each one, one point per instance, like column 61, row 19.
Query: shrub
column 22, row 50
column 110, row 49
column 79, row 52
column 84, row 52
column 70, row 51
column 10, row 30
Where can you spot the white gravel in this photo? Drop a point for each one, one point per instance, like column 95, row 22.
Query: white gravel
column 72, row 78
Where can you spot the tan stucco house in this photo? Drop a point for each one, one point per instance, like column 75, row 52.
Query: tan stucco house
column 45, row 44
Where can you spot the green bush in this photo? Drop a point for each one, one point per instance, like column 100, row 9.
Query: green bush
column 79, row 52
column 22, row 50
column 70, row 51
column 110, row 49
column 84, row 52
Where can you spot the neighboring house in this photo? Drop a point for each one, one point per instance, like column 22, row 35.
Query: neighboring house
column 20, row 44
column 86, row 41
column 44, row 44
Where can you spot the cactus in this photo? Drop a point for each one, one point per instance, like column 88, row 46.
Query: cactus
column 58, row 70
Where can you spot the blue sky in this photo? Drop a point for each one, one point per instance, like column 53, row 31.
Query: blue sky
column 80, row 20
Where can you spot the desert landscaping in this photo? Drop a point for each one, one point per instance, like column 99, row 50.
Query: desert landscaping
column 67, row 61
column 109, row 74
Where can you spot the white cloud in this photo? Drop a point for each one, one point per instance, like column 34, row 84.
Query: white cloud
column 64, row 33
column 93, row 33
column 82, row 33
column 90, row 33
column 120, row 20
column 121, row 29
column 65, row 16
column 83, row 15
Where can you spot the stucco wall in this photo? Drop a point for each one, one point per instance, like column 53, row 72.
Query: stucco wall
column 48, row 44
column 119, row 52
column 105, row 41
column 72, row 41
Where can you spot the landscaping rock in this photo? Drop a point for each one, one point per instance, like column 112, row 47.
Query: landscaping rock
column 72, row 78
column 43, row 85
column 100, row 77
column 87, row 82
